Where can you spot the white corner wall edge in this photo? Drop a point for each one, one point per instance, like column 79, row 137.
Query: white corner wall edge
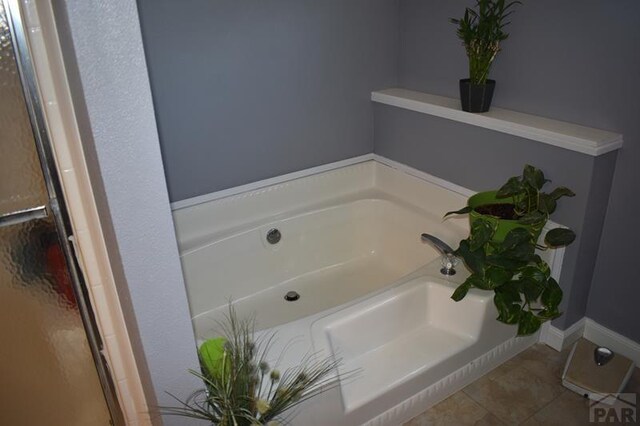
column 598, row 334
column 570, row 136
column 112, row 73
column 562, row 339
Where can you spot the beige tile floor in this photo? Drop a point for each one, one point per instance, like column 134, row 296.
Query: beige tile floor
column 525, row 390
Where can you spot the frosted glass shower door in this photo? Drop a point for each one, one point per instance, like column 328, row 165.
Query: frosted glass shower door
column 47, row 371
column 46, row 368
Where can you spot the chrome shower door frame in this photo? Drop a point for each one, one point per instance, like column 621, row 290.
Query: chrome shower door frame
column 57, row 207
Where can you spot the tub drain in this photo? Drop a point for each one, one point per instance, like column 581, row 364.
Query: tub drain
column 291, row 296
column 274, row 236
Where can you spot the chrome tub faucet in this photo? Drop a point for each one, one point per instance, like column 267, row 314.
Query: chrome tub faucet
column 449, row 259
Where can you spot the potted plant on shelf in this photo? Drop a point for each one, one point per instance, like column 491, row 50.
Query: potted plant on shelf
column 481, row 31
column 500, row 251
column 241, row 388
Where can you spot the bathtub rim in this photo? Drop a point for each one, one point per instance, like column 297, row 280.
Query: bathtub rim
column 371, row 195
column 373, row 161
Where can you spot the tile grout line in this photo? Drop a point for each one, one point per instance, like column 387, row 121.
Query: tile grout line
column 506, row 421
column 563, row 390
column 526, row 369
column 482, row 405
column 544, row 406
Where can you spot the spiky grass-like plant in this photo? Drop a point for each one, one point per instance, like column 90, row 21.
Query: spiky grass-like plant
column 243, row 390
column 481, row 32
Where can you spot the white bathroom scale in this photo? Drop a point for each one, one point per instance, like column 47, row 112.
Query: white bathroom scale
column 595, row 372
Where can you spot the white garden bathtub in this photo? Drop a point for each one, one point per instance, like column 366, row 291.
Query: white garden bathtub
column 369, row 289
column 354, row 236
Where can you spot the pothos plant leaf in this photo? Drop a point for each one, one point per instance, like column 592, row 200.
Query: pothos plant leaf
column 546, row 203
column 461, row 291
column 537, row 273
column 481, row 233
column 497, row 276
column 483, row 283
column 475, row 260
column 533, row 176
column 507, row 300
column 533, row 218
column 531, row 289
column 539, row 262
column 512, row 187
column 524, row 292
column 528, row 323
column 552, row 295
column 518, row 246
column 561, row 191
column 516, row 237
column 559, row 237
column 522, row 252
column 464, row 210
column 548, row 314
column 505, row 263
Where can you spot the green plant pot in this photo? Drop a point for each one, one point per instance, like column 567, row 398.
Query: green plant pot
column 211, row 354
column 504, row 226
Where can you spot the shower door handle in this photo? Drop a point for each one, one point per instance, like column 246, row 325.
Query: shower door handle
column 22, row 216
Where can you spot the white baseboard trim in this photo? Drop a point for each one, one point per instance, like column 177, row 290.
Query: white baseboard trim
column 591, row 330
column 561, row 339
column 602, row 336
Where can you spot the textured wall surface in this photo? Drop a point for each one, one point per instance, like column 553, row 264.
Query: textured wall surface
column 572, row 61
column 245, row 90
column 103, row 51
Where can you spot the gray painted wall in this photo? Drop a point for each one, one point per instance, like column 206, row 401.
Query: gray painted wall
column 570, row 60
column 107, row 73
column 245, row 90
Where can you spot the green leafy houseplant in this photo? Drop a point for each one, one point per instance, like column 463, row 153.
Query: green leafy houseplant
column 501, row 248
column 482, row 31
column 241, row 389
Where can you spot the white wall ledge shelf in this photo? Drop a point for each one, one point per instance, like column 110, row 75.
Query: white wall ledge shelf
column 570, row 136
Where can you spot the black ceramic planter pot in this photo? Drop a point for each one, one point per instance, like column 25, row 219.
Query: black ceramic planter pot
column 476, row 97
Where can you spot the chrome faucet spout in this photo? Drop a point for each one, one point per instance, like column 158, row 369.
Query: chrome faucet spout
column 449, row 260
column 443, row 247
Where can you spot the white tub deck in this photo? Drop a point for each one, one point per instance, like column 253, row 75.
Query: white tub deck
column 407, row 337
